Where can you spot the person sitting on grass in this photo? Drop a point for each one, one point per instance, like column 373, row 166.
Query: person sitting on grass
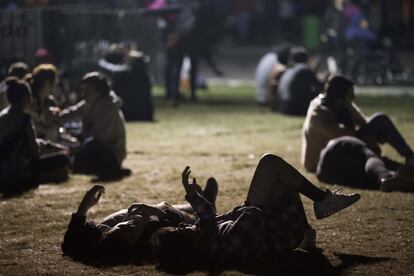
column 297, row 85
column 354, row 157
column 272, row 220
column 103, row 130
column 123, row 237
column 43, row 83
column 21, row 165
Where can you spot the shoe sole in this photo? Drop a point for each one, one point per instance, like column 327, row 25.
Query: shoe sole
column 339, row 208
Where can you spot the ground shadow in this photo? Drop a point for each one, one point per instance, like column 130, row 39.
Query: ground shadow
column 349, row 260
column 298, row 262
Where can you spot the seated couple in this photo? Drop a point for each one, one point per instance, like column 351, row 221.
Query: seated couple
column 271, row 221
column 342, row 146
column 102, row 146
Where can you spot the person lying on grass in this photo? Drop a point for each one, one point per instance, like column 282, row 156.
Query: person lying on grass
column 271, row 221
column 122, row 237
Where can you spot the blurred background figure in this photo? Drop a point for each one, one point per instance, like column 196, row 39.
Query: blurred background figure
column 268, row 72
column 18, row 70
column 262, row 74
column 298, row 85
column 103, row 133
column 128, row 71
column 193, row 34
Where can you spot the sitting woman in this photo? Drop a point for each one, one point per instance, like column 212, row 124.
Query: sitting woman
column 22, row 166
column 271, row 221
column 103, row 129
column 123, row 237
column 334, row 114
column 343, row 147
column 43, row 83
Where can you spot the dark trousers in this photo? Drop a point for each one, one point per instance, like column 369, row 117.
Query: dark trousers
column 51, row 168
column 348, row 161
column 172, row 75
column 46, row 169
column 95, row 157
column 380, row 130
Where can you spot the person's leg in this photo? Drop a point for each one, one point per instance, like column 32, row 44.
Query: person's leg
column 381, row 128
column 175, row 81
column 273, row 174
column 193, row 76
column 97, row 158
column 268, row 191
column 51, row 169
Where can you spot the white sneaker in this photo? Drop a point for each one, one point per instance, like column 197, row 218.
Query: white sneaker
column 333, row 203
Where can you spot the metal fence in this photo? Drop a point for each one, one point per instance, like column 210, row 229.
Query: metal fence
column 79, row 36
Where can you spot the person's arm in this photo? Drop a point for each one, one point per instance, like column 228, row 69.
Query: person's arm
column 73, row 112
column 30, row 133
column 82, row 238
column 239, row 236
column 324, row 122
column 357, row 115
column 145, row 210
column 203, row 208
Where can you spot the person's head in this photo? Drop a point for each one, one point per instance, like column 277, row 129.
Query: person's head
column 117, row 245
column 18, row 94
column 298, row 55
column 43, row 80
column 283, row 53
column 116, row 54
column 94, row 85
column 18, row 70
column 138, row 62
column 339, row 90
column 180, row 249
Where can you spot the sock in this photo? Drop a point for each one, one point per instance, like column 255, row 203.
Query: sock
column 311, row 191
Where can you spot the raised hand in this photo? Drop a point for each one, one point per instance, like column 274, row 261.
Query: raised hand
column 90, row 199
column 190, row 189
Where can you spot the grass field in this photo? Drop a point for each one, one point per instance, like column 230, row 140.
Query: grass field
column 223, row 135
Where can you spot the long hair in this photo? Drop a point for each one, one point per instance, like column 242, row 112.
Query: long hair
column 337, row 87
column 40, row 75
column 99, row 81
column 179, row 250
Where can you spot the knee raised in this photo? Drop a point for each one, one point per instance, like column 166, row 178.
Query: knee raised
column 380, row 117
column 269, row 158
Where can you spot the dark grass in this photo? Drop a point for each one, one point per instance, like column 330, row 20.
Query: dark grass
column 223, row 135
